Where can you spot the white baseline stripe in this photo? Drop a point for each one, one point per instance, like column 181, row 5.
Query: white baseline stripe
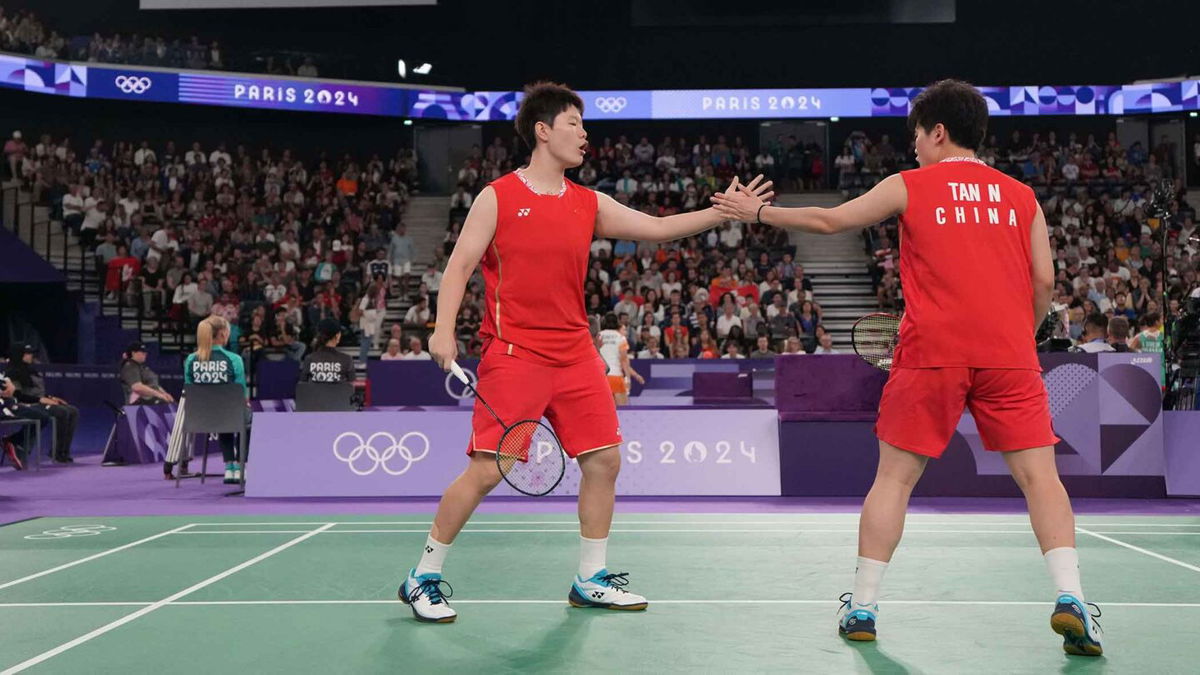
column 101, row 554
column 684, row 531
column 911, row 520
column 247, row 603
column 790, row 530
column 1139, row 549
column 29, row 663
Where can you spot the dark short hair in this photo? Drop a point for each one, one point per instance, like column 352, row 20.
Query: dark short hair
column 957, row 106
column 1097, row 321
column 1118, row 328
column 542, row 103
column 610, row 322
column 1150, row 319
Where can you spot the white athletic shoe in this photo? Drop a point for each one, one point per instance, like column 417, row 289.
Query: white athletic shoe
column 606, row 591
column 427, row 597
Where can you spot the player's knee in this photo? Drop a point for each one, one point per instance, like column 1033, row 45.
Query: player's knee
column 603, row 464
column 483, row 474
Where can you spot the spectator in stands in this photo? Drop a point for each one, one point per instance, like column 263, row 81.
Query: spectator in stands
column 1095, row 335
column 325, row 363
column 825, row 345
column 732, row 350
column 211, row 363
column 762, row 349
column 31, row 390
column 283, row 337
column 728, row 318
column 200, row 302
column 122, row 269
column 415, row 351
column 419, row 313
column 393, row 351
column 401, row 254
column 792, row 346
column 14, row 152
column 651, row 349
column 139, row 382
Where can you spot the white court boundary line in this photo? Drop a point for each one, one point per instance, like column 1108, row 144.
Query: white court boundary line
column 247, row 603
column 51, row 653
column 567, row 521
column 792, row 530
column 1139, row 549
column 94, row 556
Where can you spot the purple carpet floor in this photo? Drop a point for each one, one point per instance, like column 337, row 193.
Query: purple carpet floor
column 88, row 489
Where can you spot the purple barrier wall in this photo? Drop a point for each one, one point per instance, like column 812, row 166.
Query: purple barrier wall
column 144, row 430
column 418, row 453
column 1106, row 409
column 668, row 382
column 1182, row 450
column 827, row 387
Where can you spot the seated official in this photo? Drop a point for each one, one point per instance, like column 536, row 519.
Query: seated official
column 211, row 363
column 138, row 382
column 12, row 409
column 325, row 363
column 31, row 390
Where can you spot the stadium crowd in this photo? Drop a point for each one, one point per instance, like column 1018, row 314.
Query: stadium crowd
column 271, row 242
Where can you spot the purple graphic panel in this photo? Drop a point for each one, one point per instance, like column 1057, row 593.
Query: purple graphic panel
column 418, row 453
column 1182, row 450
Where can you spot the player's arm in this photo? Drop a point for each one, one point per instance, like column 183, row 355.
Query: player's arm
column 476, row 236
column 887, row 199
column 1041, row 267
column 627, row 366
column 616, row 221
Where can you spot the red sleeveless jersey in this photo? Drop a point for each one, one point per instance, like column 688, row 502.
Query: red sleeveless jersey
column 965, row 269
column 534, row 270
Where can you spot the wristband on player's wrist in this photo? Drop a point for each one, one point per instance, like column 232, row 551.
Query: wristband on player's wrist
column 758, row 216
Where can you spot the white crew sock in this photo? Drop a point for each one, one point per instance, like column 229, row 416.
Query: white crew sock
column 1063, row 564
column 592, row 553
column 432, row 556
column 867, row 577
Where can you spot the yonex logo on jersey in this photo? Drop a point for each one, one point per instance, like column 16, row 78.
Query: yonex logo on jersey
column 522, row 213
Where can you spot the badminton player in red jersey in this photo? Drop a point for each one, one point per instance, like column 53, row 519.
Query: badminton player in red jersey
column 532, row 230
column 974, row 260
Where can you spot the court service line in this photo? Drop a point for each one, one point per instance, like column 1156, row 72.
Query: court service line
column 1139, row 549
column 826, row 601
column 94, row 556
column 51, row 653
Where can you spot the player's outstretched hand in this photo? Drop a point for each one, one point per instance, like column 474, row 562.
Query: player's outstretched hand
column 444, row 348
column 741, row 202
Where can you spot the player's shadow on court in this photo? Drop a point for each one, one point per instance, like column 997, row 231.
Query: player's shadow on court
column 1084, row 664
column 566, row 637
column 879, row 662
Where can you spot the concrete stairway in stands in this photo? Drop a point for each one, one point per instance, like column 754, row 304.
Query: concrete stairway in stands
column 837, row 266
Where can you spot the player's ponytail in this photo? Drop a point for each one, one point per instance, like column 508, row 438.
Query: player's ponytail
column 209, row 329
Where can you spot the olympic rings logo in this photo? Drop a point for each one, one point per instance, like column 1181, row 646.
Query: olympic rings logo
column 132, row 84
column 379, row 457
column 467, row 392
column 68, row 531
column 611, row 104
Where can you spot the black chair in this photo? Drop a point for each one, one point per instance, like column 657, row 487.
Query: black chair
column 324, row 397
column 216, row 409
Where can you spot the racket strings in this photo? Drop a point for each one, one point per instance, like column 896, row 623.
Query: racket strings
column 530, row 458
column 875, row 337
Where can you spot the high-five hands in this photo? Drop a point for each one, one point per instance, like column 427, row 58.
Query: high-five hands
column 741, row 202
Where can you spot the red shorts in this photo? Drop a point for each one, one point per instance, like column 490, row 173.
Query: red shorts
column 921, row 407
column 575, row 399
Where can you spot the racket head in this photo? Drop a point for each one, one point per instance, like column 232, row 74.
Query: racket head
column 874, row 337
column 530, row 458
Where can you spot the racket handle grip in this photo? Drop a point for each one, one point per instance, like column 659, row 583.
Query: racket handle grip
column 457, row 371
